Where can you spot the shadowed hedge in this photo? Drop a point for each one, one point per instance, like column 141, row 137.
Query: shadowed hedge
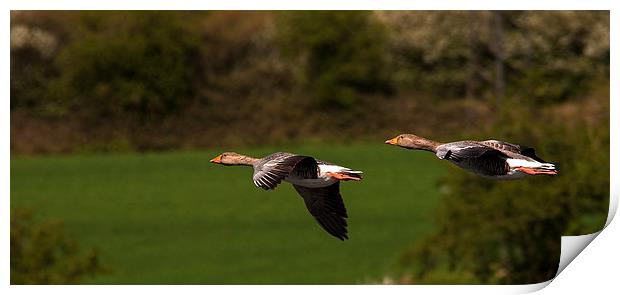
column 42, row 252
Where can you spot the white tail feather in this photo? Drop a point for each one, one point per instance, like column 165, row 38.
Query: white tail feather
column 513, row 163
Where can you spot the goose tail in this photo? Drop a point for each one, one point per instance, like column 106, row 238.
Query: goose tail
column 532, row 167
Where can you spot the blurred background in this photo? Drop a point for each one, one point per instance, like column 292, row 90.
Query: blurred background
column 114, row 116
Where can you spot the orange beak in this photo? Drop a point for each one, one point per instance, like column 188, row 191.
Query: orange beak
column 392, row 141
column 217, row 160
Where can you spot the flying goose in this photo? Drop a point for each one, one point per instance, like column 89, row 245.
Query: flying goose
column 490, row 158
column 317, row 182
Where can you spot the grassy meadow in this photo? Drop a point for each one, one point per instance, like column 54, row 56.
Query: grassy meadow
column 175, row 218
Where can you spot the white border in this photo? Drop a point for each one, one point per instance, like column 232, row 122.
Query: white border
column 599, row 260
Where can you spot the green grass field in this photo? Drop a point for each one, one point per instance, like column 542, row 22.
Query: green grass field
column 175, row 218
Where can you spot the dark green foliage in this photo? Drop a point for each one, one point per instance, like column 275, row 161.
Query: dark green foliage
column 509, row 231
column 166, row 80
column 44, row 253
column 451, row 54
column 344, row 54
column 30, row 72
column 141, row 64
column 552, row 62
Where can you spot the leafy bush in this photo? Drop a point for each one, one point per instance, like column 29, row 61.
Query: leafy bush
column 455, row 53
column 344, row 54
column 36, row 37
column 30, row 73
column 509, row 231
column 141, row 64
column 44, row 253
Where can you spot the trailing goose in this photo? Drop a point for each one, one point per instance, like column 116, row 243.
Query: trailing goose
column 317, row 182
column 490, row 158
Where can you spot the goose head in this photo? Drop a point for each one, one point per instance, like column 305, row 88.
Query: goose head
column 232, row 158
column 411, row 141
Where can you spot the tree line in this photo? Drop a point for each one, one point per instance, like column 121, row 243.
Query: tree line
column 134, row 76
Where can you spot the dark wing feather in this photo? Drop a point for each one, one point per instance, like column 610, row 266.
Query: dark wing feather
column 530, row 152
column 306, row 168
column 502, row 145
column 480, row 159
column 458, row 154
column 327, row 207
column 271, row 173
column 515, row 148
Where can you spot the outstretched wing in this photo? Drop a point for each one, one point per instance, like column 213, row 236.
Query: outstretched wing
column 515, row 148
column 269, row 174
column 327, row 207
column 480, row 159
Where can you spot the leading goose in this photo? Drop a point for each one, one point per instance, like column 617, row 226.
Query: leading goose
column 317, row 182
column 490, row 158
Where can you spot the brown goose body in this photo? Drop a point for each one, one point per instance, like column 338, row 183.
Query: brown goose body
column 490, row 158
column 317, row 182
